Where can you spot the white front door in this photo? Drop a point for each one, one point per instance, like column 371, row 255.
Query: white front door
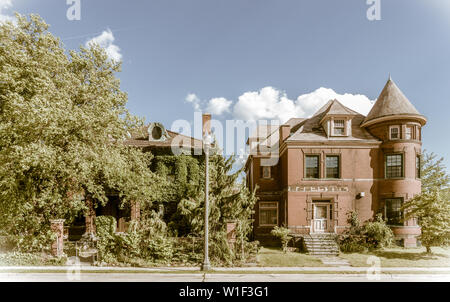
column 321, row 221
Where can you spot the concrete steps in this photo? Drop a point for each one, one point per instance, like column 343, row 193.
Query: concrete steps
column 321, row 244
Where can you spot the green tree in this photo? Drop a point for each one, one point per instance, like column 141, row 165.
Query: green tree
column 432, row 207
column 433, row 173
column 63, row 122
column 230, row 201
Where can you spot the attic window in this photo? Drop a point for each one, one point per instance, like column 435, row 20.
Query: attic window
column 156, row 133
column 339, row 127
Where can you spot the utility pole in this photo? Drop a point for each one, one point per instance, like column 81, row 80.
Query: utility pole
column 206, row 266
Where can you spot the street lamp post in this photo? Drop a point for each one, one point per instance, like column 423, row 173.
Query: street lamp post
column 206, row 266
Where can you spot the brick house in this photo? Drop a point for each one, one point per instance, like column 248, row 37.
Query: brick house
column 154, row 138
column 338, row 161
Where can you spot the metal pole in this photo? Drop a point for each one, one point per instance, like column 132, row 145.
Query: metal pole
column 206, row 265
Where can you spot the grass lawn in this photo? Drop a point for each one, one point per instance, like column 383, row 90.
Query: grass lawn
column 274, row 257
column 401, row 257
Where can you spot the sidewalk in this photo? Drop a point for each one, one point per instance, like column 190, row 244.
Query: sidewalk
column 87, row 269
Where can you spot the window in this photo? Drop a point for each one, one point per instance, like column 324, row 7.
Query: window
column 418, row 166
column 394, row 165
column 312, row 166
column 332, row 166
column 393, row 211
column 409, row 134
column 394, row 132
column 266, row 172
column 268, row 213
column 339, row 127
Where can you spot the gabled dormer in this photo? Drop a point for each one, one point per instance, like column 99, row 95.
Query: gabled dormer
column 337, row 120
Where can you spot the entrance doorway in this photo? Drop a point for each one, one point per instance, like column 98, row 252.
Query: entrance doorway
column 323, row 214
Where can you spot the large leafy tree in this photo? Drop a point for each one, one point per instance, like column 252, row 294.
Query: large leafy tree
column 62, row 125
column 432, row 206
column 230, row 201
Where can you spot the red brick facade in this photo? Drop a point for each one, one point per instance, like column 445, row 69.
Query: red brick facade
column 338, row 161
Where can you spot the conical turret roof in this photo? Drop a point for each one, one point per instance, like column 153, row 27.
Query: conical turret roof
column 392, row 102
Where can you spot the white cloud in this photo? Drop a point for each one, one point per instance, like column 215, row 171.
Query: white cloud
column 311, row 102
column 219, row 106
column 195, row 101
column 106, row 40
column 215, row 106
column 4, row 5
column 270, row 103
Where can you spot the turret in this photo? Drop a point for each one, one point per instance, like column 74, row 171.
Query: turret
column 398, row 124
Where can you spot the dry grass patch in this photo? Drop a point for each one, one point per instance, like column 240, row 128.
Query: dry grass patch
column 272, row 257
column 402, row 257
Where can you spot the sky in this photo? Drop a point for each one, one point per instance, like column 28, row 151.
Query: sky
column 265, row 59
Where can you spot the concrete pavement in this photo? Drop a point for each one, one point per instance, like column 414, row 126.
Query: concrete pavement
column 217, row 277
column 219, row 269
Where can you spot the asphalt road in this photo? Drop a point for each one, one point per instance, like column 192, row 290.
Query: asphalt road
column 154, row 277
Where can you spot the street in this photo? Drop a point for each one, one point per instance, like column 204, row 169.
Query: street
column 189, row 277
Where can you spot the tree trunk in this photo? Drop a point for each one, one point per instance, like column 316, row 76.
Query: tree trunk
column 428, row 249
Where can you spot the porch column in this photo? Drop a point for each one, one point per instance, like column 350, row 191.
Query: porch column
column 90, row 215
column 57, row 226
column 135, row 211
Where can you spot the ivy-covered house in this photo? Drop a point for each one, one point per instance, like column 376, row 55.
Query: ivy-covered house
column 176, row 158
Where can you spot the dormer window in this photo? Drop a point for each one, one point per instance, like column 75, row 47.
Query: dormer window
column 339, row 127
column 394, row 132
column 157, row 132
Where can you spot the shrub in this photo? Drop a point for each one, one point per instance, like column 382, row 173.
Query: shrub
column 283, row 234
column 107, row 242
column 373, row 235
column 378, row 234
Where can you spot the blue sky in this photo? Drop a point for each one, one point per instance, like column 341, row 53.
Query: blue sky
column 213, row 49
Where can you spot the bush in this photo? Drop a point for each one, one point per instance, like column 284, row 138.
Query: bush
column 107, row 241
column 378, row 234
column 283, row 234
column 352, row 244
column 144, row 242
column 373, row 235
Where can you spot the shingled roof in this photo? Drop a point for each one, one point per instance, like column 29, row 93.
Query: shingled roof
column 392, row 102
column 311, row 129
column 140, row 138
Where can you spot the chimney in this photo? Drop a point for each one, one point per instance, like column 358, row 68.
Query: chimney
column 285, row 130
column 206, row 118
